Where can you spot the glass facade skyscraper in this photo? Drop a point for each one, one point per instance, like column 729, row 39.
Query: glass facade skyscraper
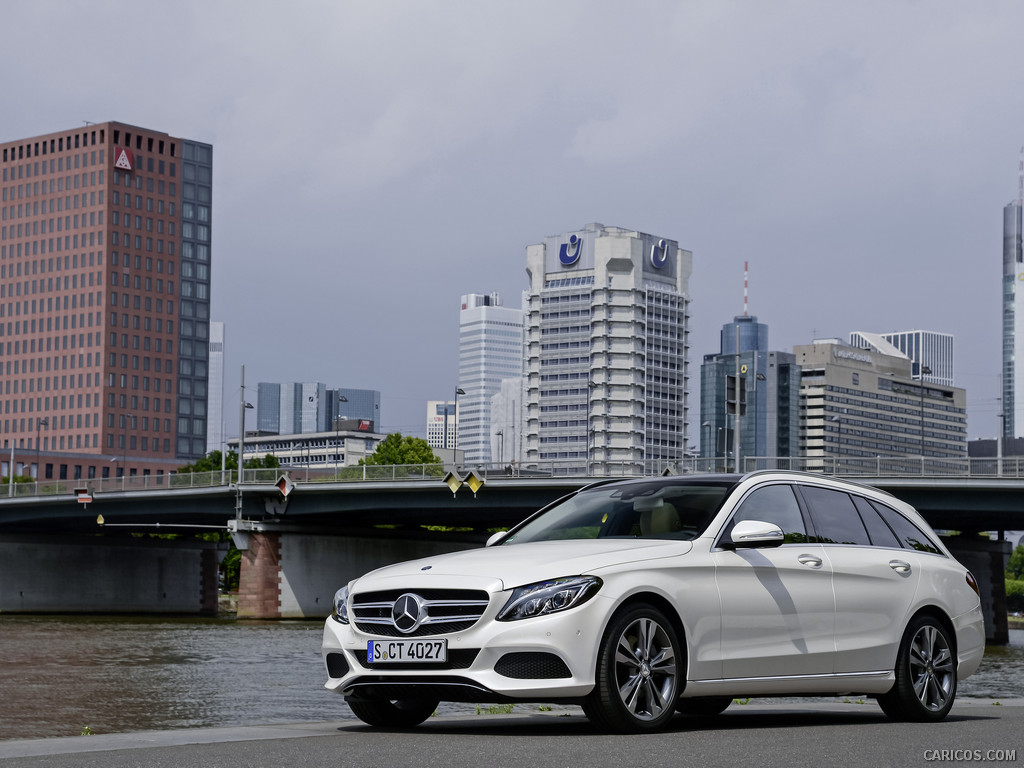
column 760, row 387
column 930, row 353
column 1013, row 322
column 293, row 408
column 215, row 400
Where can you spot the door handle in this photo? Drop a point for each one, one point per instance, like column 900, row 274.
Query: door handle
column 810, row 561
column 900, row 566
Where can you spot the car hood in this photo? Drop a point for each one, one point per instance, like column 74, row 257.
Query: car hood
column 505, row 567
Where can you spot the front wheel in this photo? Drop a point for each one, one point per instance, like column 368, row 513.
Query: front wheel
column 925, row 674
column 638, row 673
column 399, row 713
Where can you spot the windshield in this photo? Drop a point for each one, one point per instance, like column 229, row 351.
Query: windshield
column 657, row 509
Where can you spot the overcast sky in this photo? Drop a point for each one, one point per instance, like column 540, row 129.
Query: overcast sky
column 374, row 161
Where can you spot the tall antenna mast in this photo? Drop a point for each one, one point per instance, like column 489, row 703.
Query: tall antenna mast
column 745, row 263
column 1020, row 179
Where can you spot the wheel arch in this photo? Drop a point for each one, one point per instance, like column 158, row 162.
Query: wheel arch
column 939, row 615
column 664, row 605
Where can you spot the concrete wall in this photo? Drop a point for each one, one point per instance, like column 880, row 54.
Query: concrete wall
column 95, row 574
column 295, row 575
column 313, row 568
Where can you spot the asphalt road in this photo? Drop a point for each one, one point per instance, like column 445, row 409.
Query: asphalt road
column 757, row 734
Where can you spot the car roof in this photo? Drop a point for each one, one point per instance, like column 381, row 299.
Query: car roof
column 730, row 479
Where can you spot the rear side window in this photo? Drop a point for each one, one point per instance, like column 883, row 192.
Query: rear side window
column 772, row 504
column 834, row 516
column 880, row 533
column 909, row 534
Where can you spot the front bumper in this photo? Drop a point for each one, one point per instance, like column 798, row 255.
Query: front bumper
column 545, row 658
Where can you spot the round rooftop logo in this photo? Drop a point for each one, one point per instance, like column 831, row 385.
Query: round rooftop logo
column 569, row 253
column 659, row 254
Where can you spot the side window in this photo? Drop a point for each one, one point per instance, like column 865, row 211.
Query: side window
column 773, row 504
column 880, row 533
column 909, row 534
column 835, row 518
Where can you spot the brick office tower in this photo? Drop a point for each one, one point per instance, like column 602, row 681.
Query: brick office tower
column 104, row 301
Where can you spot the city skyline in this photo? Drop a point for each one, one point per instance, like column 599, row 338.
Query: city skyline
column 842, row 151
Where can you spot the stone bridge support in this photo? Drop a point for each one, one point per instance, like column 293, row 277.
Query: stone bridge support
column 292, row 574
column 987, row 561
column 101, row 574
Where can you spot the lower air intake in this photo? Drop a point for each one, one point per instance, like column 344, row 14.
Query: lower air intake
column 532, row 666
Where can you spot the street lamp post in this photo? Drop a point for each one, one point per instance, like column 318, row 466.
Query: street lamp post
column 242, row 406
column 839, row 439
column 458, row 391
column 43, row 421
column 722, row 439
column 337, row 436
column 999, row 438
column 124, row 452
column 925, row 370
column 501, row 446
column 705, row 439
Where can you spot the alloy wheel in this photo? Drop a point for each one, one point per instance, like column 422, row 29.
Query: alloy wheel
column 645, row 669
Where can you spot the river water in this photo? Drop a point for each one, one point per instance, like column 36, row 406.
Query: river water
column 61, row 674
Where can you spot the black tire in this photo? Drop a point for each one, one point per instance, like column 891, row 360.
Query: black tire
column 401, row 713
column 640, row 667
column 925, row 674
column 706, row 706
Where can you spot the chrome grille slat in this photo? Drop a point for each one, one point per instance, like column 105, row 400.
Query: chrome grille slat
column 371, row 612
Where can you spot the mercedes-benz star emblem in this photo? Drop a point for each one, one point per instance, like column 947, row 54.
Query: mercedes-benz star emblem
column 407, row 612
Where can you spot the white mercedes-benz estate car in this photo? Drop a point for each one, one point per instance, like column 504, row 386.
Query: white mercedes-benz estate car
column 641, row 598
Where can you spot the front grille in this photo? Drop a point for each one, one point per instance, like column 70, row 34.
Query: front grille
column 447, row 611
column 458, row 658
column 532, row 666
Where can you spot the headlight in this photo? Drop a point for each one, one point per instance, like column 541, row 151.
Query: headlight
column 341, row 605
column 546, row 597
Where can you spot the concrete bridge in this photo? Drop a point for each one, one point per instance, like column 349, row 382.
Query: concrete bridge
column 303, row 535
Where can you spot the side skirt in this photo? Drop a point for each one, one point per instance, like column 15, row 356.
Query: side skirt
column 794, row 685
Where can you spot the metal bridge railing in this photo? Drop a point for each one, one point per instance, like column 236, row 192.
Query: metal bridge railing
column 845, row 466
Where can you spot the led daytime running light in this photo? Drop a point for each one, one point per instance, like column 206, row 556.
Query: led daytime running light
column 546, row 597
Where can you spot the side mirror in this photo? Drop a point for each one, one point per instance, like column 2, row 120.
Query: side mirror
column 496, row 538
column 749, row 534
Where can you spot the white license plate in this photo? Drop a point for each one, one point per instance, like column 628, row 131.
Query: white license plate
column 390, row 651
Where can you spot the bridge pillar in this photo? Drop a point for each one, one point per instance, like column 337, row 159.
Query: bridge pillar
column 288, row 573
column 259, row 578
column 987, row 561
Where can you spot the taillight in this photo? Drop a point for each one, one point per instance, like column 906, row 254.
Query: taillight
column 973, row 583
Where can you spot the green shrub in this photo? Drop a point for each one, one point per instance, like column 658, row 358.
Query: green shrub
column 1014, row 595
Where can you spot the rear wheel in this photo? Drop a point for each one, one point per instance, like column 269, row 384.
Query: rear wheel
column 398, row 713
column 704, row 705
column 638, row 673
column 925, row 674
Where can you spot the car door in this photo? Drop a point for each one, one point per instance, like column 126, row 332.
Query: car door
column 873, row 578
column 777, row 608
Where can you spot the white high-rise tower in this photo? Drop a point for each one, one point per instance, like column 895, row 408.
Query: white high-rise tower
column 607, row 381
column 490, row 350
